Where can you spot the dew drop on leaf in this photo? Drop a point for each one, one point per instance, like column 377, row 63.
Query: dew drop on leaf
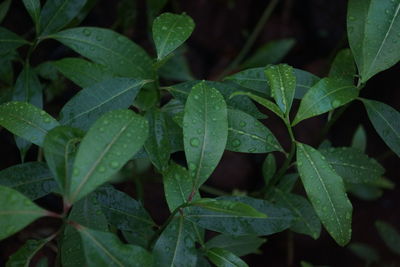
column 195, row 142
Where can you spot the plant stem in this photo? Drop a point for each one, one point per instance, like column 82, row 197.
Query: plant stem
column 252, row 38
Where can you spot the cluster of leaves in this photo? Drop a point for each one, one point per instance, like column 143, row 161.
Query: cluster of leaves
column 97, row 132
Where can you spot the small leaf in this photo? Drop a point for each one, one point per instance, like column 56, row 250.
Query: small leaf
column 246, row 134
column 82, row 72
column 238, row 245
column 386, row 121
column 282, row 82
column 268, row 168
column 177, row 185
column 33, row 8
column 205, row 131
column 324, row 96
column 92, row 102
column 306, row 221
column 25, row 253
column 176, row 245
column 170, row 31
column 60, row 147
column 325, row 190
column 4, row 7
column 10, row 41
column 224, row 258
column 390, row 236
column 33, row 179
column 176, row 68
column 343, row 66
column 56, row 14
column 105, row 249
column 16, row 212
column 365, row 252
column 111, row 141
column 26, row 121
column 359, row 140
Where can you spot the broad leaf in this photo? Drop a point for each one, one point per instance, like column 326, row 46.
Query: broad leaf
column 239, row 245
column 16, row 212
column 92, row 102
column 343, row 66
column 33, row 8
column 269, row 168
column 282, row 82
column 247, row 134
column 205, row 131
column 306, row 221
column 359, row 140
column 326, row 95
column 111, row 141
column 224, row 258
column 325, row 190
column 26, row 121
column 386, row 121
column 177, row 185
column 56, row 14
column 82, row 72
column 25, row 254
column 390, row 236
column 60, row 146
column 10, row 41
column 33, row 179
column 170, row 31
column 176, row 245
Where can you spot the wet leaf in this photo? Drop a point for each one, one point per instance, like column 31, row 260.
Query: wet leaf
column 238, row 245
column 224, row 258
column 177, row 185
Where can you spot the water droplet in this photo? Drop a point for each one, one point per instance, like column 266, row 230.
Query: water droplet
column 102, row 169
column 195, row 142
column 164, row 28
column 42, row 112
column 242, row 124
column 87, row 32
column 47, row 120
column 352, row 18
column 251, row 150
column 199, row 131
column 75, row 172
column 335, row 103
column 99, row 38
column 101, row 129
column 192, row 166
column 236, row 143
column 196, row 97
column 217, row 107
column 114, row 164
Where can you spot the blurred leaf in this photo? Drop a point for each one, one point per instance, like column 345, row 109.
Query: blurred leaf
column 359, row 140
column 4, row 7
column 364, row 192
column 268, row 168
column 7, row 73
column 224, row 258
column 10, row 41
column 25, row 253
column 238, row 245
column 176, row 68
column 154, row 7
column 390, row 236
column 47, row 71
column 33, row 8
column 343, row 66
column 364, row 252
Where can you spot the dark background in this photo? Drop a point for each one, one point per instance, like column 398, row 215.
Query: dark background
column 222, row 27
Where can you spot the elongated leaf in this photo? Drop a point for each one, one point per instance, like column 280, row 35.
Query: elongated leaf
column 10, row 41
column 386, row 121
column 327, row 94
column 177, row 67
column 390, row 235
column 122, row 56
column 92, row 102
column 306, row 221
column 343, row 66
column 109, row 144
column 277, row 220
column 353, row 166
column 268, row 168
column 238, row 245
column 247, row 134
column 16, row 212
column 205, row 131
column 33, row 179
column 365, row 252
column 26, row 121
column 326, row 191
column 25, row 254
column 105, row 249
column 4, row 7
column 58, row 13
column 224, row 258
column 359, row 140
column 82, row 72
column 60, row 147
column 170, row 31
column 177, row 185
column 33, row 8
column 176, row 245
column 375, row 25
column 282, row 82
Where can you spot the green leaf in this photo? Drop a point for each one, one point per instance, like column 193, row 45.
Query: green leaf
column 157, row 144
column 282, row 82
column 205, row 131
column 373, row 28
column 33, row 179
column 26, row 121
column 33, row 8
column 325, row 190
column 56, row 14
column 326, row 95
column 28, row 88
column 25, row 253
column 170, row 31
column 4, row 7
column 224, row 258
column 271, row 53
column 269, row 168
column 353, row 165
column 120, row 55
column 111, row 141
column 7, row 74
column 82, row 72
column 238, row 245
column 247, row 134
column 105, row 249
column 176, row 245
column 365, row 252
column 10, row 41
column 60, row 147
column 176, row 68
column 177, row 185
column 343, row 66
column 92, row 102
column 306, row 221
column 386, row 121
column 390, row 236
column 277, row 220
column 359, row 140
column 16, row 212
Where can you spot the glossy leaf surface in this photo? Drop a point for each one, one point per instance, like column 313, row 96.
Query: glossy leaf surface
column 33, row 8
column 238, row 245
column 177, row 185
column 10, row 41
column 343, row 66
column 224, row 258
